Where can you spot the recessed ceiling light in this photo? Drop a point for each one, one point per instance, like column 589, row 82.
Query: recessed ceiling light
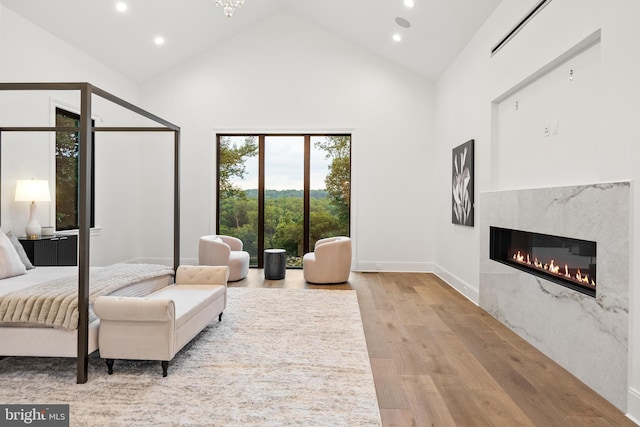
column 409, row 3
column 121, row 6
column 159, row 40
column 403, row 22
column 397, row 37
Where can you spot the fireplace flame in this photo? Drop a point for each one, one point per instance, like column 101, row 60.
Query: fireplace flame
column 552, row 268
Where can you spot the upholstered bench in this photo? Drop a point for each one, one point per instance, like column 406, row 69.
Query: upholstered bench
column 157, row 326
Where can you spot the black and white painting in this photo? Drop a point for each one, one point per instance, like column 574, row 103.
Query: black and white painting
column 462, row 184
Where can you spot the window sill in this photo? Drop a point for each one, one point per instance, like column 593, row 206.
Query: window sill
column 95, row 231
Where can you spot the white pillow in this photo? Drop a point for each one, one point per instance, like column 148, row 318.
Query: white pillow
column 10, row 262
column 19, row 250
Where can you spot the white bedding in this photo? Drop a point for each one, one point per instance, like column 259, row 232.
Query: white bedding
column 56, row 342
column 35, row 276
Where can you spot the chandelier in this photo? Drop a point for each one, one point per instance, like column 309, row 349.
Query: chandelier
column 229, row 5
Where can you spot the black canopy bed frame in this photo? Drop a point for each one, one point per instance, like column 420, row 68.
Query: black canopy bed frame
column 84, row 177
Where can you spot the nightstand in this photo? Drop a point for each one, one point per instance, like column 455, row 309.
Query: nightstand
column 51, row 251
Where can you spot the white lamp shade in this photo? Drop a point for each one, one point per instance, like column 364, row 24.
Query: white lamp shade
column 32, row 190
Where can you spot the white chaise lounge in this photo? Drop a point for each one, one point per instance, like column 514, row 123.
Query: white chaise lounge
column 156, row 327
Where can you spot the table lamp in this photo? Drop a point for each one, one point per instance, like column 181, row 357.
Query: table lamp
column 32, row 190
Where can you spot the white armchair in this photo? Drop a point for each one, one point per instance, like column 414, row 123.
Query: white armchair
column 224, row 250
column 330, row 262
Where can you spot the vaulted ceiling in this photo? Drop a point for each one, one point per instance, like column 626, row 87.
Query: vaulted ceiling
column 123, row 41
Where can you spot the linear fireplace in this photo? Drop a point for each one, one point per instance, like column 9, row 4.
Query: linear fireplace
column 563, row 260
column 573, row 328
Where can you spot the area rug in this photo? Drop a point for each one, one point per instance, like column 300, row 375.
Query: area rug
column 279, row 357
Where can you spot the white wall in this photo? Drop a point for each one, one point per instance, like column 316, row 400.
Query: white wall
column 284, row 75
column 464, row 110
column 29, row 54
column 289, row 75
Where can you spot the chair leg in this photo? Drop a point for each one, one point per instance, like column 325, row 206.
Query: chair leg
column 220, row 317
column 110, row 366
column 165, row 367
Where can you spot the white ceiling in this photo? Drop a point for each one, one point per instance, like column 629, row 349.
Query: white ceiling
column 124, row 41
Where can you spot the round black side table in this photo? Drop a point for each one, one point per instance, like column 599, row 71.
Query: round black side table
column 275, row 264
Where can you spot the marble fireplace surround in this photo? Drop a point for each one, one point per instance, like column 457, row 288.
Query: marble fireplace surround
column 587, row 336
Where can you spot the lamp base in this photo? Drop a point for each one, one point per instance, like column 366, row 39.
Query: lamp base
column 33, row 229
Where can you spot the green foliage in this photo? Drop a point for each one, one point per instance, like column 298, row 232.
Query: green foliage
column 232, row 163
column 283, row 210
column 283, row 222
column 279, row 194
column 67, row 145
column 338, row 180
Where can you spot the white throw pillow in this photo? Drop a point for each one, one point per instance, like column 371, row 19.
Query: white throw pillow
column 20, row 250
column 10, row 263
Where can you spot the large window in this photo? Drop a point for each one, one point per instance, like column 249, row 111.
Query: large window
column 283, row 191
column 67, row 185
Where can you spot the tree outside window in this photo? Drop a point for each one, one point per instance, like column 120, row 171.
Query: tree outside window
column 284, row 216
column 67, row 184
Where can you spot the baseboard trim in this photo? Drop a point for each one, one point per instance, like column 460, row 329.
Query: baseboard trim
column 470, row 292
column 396, row 267
column 633, row 405
column 362, row 266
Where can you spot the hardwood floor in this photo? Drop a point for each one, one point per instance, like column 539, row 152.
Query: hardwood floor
column 439, row 360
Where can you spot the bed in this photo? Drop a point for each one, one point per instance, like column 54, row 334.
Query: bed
column 24, row 338
column 85, row 334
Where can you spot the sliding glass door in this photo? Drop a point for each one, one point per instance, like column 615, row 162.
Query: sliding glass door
column 330, row 183
column 284, row 196
column 238, row 190
column 283, row 191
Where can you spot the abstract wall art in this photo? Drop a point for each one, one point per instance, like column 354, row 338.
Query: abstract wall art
column 462, row 184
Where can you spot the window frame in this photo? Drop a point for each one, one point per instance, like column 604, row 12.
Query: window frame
column 261, row 136
column 69, row 112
